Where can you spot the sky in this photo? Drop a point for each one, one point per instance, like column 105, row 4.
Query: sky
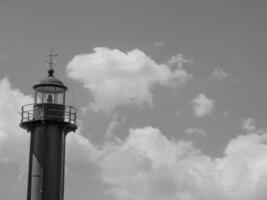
column 170, row 95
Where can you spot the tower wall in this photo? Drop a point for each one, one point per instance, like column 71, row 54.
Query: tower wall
column 46, row 163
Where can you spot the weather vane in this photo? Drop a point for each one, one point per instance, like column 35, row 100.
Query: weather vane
column 51, row 63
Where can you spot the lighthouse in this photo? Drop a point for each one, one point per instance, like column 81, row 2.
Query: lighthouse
column 48, row 120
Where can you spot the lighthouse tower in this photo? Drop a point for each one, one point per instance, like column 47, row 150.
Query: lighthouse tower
column 48, row 120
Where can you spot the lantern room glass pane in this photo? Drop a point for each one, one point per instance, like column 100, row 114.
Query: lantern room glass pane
column 60, row 98
column 52, row 97
column 38, row 97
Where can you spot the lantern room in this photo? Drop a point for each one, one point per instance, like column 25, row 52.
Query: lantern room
column 50, row 90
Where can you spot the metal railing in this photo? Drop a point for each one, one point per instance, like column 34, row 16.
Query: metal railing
column 33, row 112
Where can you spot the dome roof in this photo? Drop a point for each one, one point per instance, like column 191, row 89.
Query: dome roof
column 50, row 80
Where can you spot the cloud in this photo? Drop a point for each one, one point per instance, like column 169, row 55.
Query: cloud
column 195, row 131
column 147, row 165
column 13, row 139
column 158, row 43
column 80, row 149
column 218, row 74
column 203, row 106
column 248, row 125
column 179, row 61
column 117, row 78
column 114, row 123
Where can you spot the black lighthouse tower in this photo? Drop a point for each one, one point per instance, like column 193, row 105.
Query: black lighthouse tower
column 48, row 120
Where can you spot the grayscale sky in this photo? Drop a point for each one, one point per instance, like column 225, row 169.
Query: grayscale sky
column 171, row 96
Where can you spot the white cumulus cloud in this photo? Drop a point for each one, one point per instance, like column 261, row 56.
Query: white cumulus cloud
column 115, row 121
column 178, row 61
column 248, row 124
column 13, row 139
column 80, row 149
column 118, row 78
column 202, row 105
column 218, row 74
column 149, row 166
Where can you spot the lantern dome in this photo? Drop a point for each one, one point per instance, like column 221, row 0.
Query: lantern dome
column 51, row 80
column 50, row 84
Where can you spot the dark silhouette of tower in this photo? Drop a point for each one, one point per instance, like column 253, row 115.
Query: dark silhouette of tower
column 48, row 120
